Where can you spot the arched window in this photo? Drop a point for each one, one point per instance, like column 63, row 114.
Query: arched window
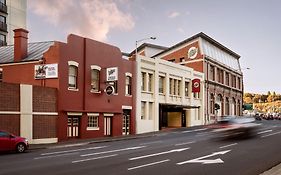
column 72, row 75
column 226, row 106
column 233, row 106
column 95, row 78
column 212, row 104
column 238, row 108
column 128, row 88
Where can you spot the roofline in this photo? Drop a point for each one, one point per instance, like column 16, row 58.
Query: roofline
column 148, row 45
column 204, row 36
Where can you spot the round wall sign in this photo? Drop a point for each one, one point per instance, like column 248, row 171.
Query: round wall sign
column 192, row 52
column 109, row 90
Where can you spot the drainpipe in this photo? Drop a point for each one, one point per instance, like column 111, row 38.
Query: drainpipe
column 84, row 74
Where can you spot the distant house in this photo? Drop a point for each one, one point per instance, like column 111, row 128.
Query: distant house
column 95, row 93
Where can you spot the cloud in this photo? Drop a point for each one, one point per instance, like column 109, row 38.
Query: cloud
column 181, row 30
column 89, row 18
column 173, row 15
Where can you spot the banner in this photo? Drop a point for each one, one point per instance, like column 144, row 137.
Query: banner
column 196, row 85
column 46, row 71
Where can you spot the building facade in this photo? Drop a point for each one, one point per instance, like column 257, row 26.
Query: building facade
column 12, row 16
column 165, row 96
column 222, row 73
column 94, row 83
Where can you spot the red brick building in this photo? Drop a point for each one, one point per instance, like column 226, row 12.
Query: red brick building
column 95, row 94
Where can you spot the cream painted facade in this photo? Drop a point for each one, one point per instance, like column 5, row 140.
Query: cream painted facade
column 168, row 102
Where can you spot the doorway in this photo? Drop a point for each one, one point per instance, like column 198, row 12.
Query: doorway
column 73, row 123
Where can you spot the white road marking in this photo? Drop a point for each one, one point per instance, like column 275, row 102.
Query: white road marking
column 195, row 130
column 157, row 154
column 150, row 164
column 228, row 145
column 262, row 132
column 206, row 161
column 53, row 156
column 271, row 134
column 69, row 145
column 74, row 150
column 95, row 158
column 149, row 143
column 111, row 151
column 186, row 143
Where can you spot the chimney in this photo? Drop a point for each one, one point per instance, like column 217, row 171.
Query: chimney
column 20, row 44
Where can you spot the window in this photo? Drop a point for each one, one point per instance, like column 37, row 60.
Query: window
column 238, row 108
column 3, row 1
column 143, row 77
column 161, row 84
column 171, row 84
column 2, row 40
column 227, row 78
column 220, row 75
column 212, row 104
column 93, row 121
column 150, row 117
column 196, row 95
column 142, row 110
column 226, row 106
column 128, row 87
column 179, row 88
column 172, row 60
column 233, row 80
column 150, row 82
column 212, row 73
column 1, row 74
column 186, row 91
column 95, row 80
column 182, row 59
column 239, row 83
column 72, row 75
column 4, row 134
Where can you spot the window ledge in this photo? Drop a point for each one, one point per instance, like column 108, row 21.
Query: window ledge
column 95, row 92
column 72, row 89
column 93, row 128
column 127, row 95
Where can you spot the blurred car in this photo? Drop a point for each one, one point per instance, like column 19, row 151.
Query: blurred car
column 11, row 142
column 233, row 126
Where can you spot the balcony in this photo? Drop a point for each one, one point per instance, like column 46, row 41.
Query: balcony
column 3, row 8
column 3, row 27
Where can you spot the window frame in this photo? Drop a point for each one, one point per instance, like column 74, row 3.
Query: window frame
column 128, row 85
column 75, row 65
column 95, row 68
column 93, row 116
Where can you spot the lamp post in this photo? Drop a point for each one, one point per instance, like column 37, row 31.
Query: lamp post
column 150, row 38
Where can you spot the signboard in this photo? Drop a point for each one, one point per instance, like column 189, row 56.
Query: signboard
column 196, row 85
column 192, row 52
column 44, row 71
column 109, row 90
column 112, row 74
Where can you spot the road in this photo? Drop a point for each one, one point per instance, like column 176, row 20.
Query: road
column 182, row 151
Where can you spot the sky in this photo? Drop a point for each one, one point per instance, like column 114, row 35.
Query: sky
column 250, row 28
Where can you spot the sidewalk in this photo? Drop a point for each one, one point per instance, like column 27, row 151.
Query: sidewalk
column 273, row 171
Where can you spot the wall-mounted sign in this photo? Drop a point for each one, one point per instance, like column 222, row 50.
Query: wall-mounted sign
column 192, row 52
column 112, row 74
column 43, row 71
column 109, row 90
column 196, row 85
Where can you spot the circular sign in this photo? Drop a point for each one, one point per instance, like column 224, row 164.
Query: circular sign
column 196, row 85
column 192, row 52
column 109, row 90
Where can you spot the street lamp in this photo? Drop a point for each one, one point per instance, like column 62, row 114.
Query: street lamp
column 150, row 38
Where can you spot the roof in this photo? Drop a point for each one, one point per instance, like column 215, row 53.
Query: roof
column 204, row 36
column 35, row 52
column 148, row 45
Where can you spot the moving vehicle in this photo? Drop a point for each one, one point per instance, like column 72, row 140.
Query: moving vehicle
column 235, row 127
column 11, row 142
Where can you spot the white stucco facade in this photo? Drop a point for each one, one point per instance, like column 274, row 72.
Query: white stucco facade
column 173, row 90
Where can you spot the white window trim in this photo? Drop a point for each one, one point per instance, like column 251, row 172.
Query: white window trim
column 95, row 67
column 128, row 74
column 108, row 114
column 73, row 63
column 74, row 113
column 93, row 128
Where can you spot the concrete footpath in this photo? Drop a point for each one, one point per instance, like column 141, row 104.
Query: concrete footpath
column 276, row 170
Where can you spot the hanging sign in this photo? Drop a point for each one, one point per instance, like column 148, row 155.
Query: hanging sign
column 196, row 85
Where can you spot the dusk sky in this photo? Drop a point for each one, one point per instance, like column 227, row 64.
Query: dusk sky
column 251, row 28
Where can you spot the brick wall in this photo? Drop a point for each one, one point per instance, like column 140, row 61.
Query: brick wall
column 9, row 97
column 10, row 123
column 44, row 99
column 44, row 126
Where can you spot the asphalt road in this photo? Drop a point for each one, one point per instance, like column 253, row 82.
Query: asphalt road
column 183, row 151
